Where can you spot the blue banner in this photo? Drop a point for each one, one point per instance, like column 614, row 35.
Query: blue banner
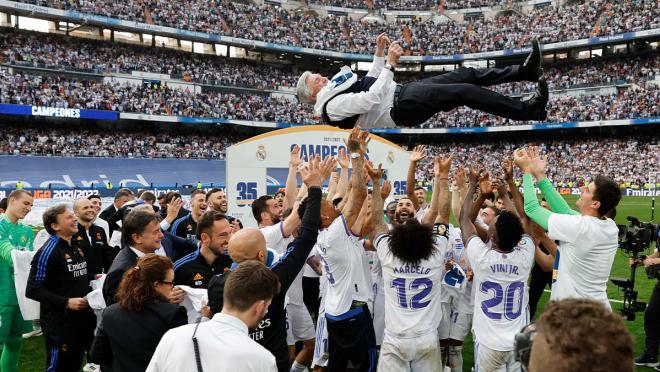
column 70, row 173
column 57, row 112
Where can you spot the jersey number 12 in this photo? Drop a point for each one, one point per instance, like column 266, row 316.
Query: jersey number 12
column 416, row 301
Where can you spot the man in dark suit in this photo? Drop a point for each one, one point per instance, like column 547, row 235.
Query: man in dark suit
column 141, row 234
column 121, row 197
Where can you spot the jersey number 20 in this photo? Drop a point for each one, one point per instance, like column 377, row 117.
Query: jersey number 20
column 514, row 291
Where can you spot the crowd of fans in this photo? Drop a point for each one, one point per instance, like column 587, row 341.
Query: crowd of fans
column 19, row 140
column 70, row 53
column 273, row 24
column 575, row 161
column 411, row 4
column 628, row 159
column 60, row 91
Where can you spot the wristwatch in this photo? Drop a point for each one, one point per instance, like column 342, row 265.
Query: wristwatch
column 355, row 155
column 389, row 67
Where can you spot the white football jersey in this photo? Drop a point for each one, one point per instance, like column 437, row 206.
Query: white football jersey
column 275, row 238
column 345, row 266
column 501, row 292
column 463, row 298
column 412, row 292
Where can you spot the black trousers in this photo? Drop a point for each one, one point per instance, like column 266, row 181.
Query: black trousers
column 419, row 101
column 652, row 323
column 537, row 282
column 311, row 295
column 64, row 353
column 352, row 338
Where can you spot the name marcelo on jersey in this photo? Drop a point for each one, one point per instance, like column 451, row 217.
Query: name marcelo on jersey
column 406, row 269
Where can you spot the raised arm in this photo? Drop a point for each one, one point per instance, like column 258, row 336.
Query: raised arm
column 533, row 209
column 357, row 146
column 486, row 191
column 291, row 179
column 418, row 154
column 379, row 57
column 332, row 185
column 467, row 226
column 377, row 220
column 507, row 167
column 342, row 185
column 440, row 197
column 458, row 192
column 538, row 165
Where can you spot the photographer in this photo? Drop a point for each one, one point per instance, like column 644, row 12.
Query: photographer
column 651, row 321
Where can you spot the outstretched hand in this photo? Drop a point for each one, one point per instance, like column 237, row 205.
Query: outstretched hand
column 311, row 172
column 418, row 153
column 294, row 158
column 522, row 160
column 460, row 177
column 386, row 189
column 507, row 169
column 537, row 162
column 374, row 174
column 327, row 166
column 473, row 176
column 442, row 165
column 484, row 184
column 342, row 158
column 358, row 141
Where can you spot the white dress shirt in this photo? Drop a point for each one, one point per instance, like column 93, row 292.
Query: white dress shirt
column 224, row 345
column 373, row 106
column 160, row 251
column 100, row 222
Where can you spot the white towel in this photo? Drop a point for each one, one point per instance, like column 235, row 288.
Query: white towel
column 22, row 260
column 195, row 299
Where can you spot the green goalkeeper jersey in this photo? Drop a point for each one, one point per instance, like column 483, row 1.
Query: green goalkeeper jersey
column 12, row 236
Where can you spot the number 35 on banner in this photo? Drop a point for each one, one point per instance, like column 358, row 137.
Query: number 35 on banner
column 246, row 193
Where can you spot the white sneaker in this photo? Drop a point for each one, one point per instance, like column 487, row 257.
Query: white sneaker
column 91, row 367
column 36, row 332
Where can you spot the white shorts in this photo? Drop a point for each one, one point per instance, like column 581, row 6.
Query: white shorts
column 418, row 353
column 321, row 354
column 488, row 360
column 379, row 316
column 299, row 324
column 454, row 325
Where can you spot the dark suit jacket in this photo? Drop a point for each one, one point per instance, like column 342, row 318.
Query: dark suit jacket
column 176, row 246
column 106, row 214
column 126, row 340
column 125, row 259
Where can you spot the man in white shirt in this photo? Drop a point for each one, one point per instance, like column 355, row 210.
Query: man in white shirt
column 377, row 101
column 500, row 278
column 412, row 259
column 588, row 239
column 223, row 344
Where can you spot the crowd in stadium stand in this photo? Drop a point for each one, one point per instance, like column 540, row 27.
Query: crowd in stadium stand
column 76, row 142
column 627, row 160
column 59, row 91
column 273, row 24
column 60, row 52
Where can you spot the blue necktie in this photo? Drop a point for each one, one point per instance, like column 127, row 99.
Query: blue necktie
column 339, row 80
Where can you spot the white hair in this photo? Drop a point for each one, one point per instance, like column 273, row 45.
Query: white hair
column 302, row 89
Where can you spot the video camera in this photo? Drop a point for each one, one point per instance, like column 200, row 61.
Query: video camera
column 634, row 239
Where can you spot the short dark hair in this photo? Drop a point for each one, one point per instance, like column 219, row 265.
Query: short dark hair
column 280, row 192
column 3, row 204
column 607, row 193
column 140, row 192
column 148, row 196
column 173, row 194
column 494, row 208
column 250, row 282
column 411, row 242
column 196, row 192
column 259, row 206
column 95, row 196
column 586, row 336
column 419, row 188
column 206, row 222
column 135, row 223
column 508, row 231
column 50, row 216
column 162, row 197
column 123, row 193
column 213, row 191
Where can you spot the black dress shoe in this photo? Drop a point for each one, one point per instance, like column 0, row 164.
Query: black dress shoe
column 531, row 69
column 539, row 101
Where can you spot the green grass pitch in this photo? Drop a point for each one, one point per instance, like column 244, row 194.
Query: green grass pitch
column 33, row 357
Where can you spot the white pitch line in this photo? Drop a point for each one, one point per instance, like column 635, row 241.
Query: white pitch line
column 611, row 300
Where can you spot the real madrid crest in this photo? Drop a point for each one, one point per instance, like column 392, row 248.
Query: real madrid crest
column 390, row 157
column 261, row 153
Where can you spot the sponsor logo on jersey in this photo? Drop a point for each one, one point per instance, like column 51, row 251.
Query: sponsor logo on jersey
column 79, row 238
column 198, row 276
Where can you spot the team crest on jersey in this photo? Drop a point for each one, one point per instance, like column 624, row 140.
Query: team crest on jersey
column 189, row 227
column 98, row 236
column 24, row 239
column 67, row 257
column 198, row 276
column 64, row 348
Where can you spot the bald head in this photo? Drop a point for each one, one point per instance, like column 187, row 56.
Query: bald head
column 84, row 210
column 247, row 244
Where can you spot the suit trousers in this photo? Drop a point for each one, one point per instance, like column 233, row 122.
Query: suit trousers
column 419, row 101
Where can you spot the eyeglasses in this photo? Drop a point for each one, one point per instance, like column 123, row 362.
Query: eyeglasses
column 171, row 284
column 522, row 345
